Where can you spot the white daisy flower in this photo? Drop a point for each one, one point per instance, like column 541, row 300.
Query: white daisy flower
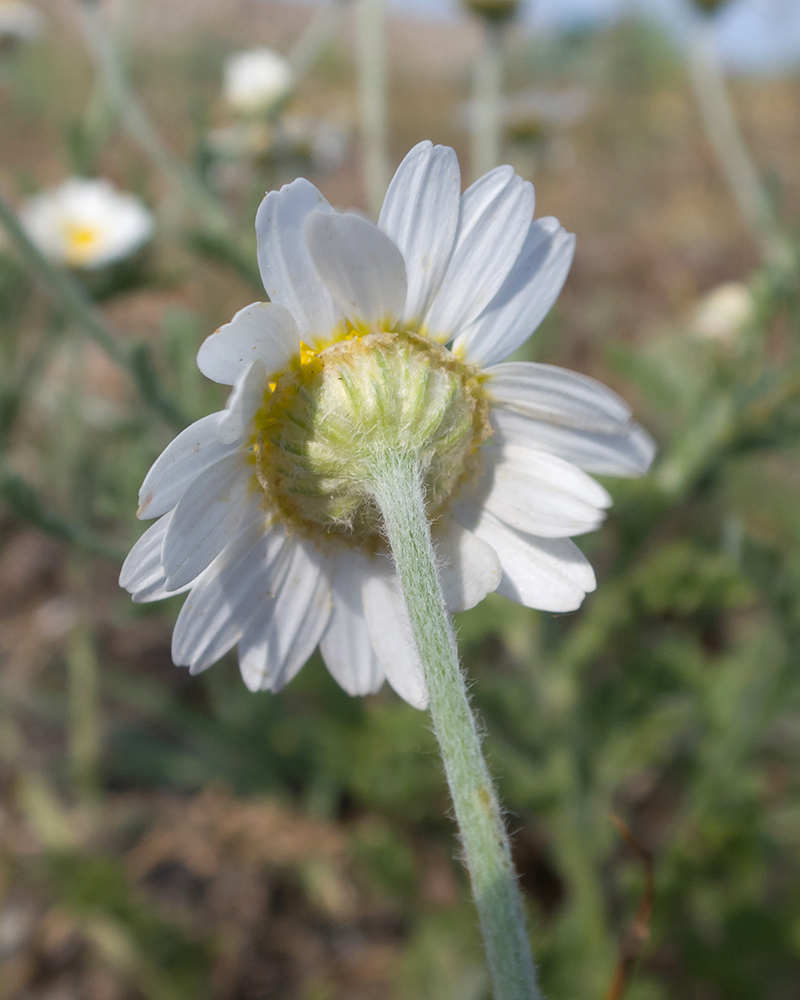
column 86, row 223
column 264, row 512
column 254, row 81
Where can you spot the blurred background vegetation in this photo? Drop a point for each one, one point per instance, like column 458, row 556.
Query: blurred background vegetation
column 167, row 838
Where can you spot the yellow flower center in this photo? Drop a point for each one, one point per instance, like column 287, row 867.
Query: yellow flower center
column 80, row 243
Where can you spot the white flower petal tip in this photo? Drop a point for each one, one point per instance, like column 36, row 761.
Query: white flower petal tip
column 495, row 216
column 142, row 574
column 208, row 516
column 289, row 276
column 362, row 268
column 628, row 453
column 559, row 396
column 525, row 298
column 346, row 646
column 469, row 568
column 262, row 331
column 643, row 449
column 570, row 415
column 186, row 457
column 390, row 633
column 536, row 493
column 550, row 574
column 238, row 587
column 276, row 645
column 420, row 215
column 243, row 403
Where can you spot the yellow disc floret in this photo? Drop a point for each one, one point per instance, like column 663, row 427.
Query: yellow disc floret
column 80, row 243
column 326, row 420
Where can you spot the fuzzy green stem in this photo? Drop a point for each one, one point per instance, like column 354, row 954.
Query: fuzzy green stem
column 372, row 99
column 69, row 294
column 398, row 492
column 486, row 93
column 724, row 134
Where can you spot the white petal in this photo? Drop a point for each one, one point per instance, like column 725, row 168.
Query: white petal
column 262, row 331
column 142, row 574
column 238, row 587
column 244, row 402
column 390, row 632
column 558, row 396
column 551, row 574
column 496, row 215
column 217, row 506
column 526, row 297
column 627, row 453
column 468, row 568
column 420, row 214
column 535, row 492
column 286, row 269
column 276, row 645
column 361, row 267
column 346, row 646
column 180, row 463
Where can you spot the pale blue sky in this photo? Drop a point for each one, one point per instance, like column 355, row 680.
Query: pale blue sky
column 755, row 35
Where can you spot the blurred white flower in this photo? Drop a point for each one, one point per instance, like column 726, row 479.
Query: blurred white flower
column 86, row 223
column 266, row 509
column 254, row 81
column 723, row 313
column 19, row 22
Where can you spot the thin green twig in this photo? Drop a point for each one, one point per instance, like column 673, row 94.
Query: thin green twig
column 316, row 36
column 487, row 83
column 373, row 100
column 725, row 136
column 25, row 502
column 184, row 182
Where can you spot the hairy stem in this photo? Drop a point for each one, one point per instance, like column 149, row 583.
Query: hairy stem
column 398, row 492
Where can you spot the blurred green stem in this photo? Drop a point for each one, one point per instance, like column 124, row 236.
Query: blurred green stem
column 487, row 81
column 724, row 134
column 313, row 41
column 100, row 117
column 183, row 181
column 398, row 492
column 137, row 122
column 372, row 100
column 576, row 850
column 70, row 295
column 83, row 727
column 25, row 502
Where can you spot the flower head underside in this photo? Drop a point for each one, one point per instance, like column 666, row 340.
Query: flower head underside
column 377, row 339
